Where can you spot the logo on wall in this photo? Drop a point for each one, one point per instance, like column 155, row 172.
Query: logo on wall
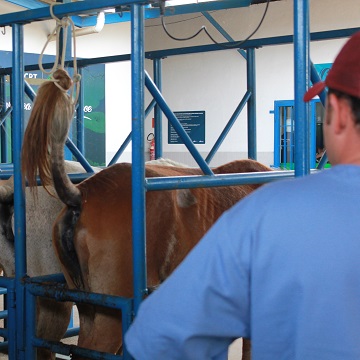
column 322, row 70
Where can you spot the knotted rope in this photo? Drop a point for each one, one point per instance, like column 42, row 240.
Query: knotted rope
column 62, row 24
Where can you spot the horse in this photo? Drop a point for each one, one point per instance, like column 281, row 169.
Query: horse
column 52, row 317
column 92, row 235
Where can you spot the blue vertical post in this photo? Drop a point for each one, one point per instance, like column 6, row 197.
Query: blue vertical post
column 4, row 157
column 80, row 132
column 157, row 110
column 251, row 104
column 138, row 157
column 301, row 65
column 17, row 98
column 277, row 139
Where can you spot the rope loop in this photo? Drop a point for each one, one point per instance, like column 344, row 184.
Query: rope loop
column 62, row 25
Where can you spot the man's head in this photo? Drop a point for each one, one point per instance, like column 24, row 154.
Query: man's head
column 342, row 115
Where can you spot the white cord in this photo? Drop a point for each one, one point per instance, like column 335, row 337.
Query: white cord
column 62, row 24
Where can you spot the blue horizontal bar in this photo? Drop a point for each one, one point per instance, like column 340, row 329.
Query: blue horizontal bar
column 64, row 349
column 72, row 332
column 6, row 282
column 3, row 314
column 59, row 293
column 186, row 182
column 158, row 54
column 3, row 291
column 252, row 43
column 29, row 4
column 3, row 333
column 60, row 11
column 153, row 12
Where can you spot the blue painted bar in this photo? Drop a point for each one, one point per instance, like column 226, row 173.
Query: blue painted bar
column 322, row 161
column 251, row 104
column 153, row 12
column 150, row 107
column 313, row 136
column 67, row 350
column 80, row 131
column 29, row 91
column 30, row 324
column 185, row 182
column 3, row 332
column 3, row 114
column 60, row 11
column 138, row 156
column 251, row 43
column 279, row 40
column 121, row 150
column 36, row 287
column 157, row 111
column 316, row 78
column 228, row 126
column 301, row 66
column 17, row 100
column 79, row 156
column 176, row 124
column 11, row 331
column 222, row 31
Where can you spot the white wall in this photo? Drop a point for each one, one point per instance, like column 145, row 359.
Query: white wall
column 214, row 82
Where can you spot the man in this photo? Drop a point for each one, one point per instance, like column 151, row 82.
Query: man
column 282, row 267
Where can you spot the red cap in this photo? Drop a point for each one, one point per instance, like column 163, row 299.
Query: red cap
column 344, row 74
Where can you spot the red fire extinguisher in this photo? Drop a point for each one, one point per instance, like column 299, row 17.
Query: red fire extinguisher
column 151, row 140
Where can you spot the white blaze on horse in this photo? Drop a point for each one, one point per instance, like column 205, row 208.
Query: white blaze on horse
column 52, row 317
column 92, row 234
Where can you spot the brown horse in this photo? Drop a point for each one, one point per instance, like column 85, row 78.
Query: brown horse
column 92, row 234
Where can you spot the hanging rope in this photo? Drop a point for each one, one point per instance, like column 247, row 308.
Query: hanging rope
column 63, row 25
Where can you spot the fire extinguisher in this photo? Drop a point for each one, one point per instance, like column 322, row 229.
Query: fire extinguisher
column 151, row 139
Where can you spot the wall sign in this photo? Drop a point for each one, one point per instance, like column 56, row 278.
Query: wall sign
column 193, row 123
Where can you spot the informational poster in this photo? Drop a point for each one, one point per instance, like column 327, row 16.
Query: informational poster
column 193, row 123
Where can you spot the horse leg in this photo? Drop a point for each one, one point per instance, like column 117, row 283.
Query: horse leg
column 52, row 322
column 246, row 349
column 100, row 329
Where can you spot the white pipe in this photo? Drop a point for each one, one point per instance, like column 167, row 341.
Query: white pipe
column 100, row 22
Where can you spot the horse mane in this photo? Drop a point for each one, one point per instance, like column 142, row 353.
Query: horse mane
column 47, row 129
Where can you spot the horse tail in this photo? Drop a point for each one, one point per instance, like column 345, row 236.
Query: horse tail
column 44, row 139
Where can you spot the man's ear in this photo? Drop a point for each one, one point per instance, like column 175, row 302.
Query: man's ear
column 338, row 113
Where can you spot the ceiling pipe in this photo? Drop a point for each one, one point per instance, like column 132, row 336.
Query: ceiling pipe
column 100, row 22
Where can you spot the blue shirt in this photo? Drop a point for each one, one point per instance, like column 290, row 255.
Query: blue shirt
column 282, row 267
